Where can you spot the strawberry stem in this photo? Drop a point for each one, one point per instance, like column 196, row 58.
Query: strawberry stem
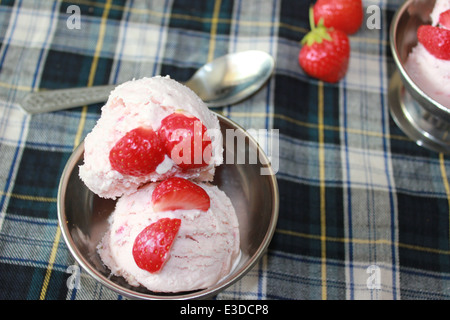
column 318, row 32
column 312, row 24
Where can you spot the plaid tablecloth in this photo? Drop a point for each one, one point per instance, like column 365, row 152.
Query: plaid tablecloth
column 364, row 211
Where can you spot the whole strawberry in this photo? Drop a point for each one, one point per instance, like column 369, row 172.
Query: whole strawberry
column 325, row 53
column 137, row 153
column 344, row 15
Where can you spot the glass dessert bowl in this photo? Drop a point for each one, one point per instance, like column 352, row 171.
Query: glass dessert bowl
column 422, row 118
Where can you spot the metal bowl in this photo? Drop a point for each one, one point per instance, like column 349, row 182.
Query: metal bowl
column 83, row 216
column 423, row 119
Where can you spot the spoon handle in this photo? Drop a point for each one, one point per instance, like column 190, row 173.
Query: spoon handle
column 54, row 100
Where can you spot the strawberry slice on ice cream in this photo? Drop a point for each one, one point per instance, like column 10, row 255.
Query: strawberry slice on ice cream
column 138, row 153
column 436, row 40
column 151, row 247
column 178, row 193
column 186, row 140
column 444, row 19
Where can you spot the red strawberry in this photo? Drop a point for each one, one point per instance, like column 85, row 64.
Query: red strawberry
column 436, row 40
column 325, row 53
column 178, row 193
column 152, row 245
column 344, row 15
column 138, row 153
column 444, row 19
column 186, row 140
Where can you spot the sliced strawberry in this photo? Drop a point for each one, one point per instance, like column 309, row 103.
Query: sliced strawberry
column 152, row 245
column 138, row 153
column 436, row 40
column 178, row 193
column 186, row 140
column 444, row 19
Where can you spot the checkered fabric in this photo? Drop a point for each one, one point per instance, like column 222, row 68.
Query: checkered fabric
column 364, row 211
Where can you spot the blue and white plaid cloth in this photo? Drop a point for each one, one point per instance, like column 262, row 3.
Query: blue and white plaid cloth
column 364, row 211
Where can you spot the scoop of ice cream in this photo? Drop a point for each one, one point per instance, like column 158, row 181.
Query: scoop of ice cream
column 431, row 74
column 204, row 251
column 143, row 103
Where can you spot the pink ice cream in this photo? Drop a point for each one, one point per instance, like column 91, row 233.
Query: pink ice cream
column 431, row 74
column 207, row 244
column 204, row 251
column 144, row 102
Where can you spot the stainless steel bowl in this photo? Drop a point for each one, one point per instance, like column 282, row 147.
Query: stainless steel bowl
column 83, row 216
column 423, row 119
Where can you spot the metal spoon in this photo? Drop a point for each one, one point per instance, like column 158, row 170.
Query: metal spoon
column 224, row 81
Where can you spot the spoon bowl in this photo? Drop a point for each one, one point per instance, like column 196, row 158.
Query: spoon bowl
column 231, row 78
column 221, row 82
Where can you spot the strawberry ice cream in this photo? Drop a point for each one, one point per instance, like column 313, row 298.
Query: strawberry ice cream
column 138, row 107
column 431, row 74
column 204, row 246
column 155, row 148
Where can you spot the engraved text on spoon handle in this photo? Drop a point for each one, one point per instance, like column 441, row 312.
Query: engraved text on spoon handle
column 54, row 100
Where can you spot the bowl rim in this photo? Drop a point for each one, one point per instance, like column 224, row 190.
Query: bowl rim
column 417, row 92
column 199, row 294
